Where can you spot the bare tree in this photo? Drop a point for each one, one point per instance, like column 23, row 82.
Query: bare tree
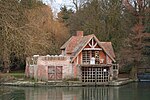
column 25, row 31
column 140, row 9
column 79, row 3
column 12, row 22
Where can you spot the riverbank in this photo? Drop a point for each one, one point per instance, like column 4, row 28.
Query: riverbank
column 26, row 83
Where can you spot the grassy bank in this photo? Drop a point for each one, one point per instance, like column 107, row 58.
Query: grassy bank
column 17, row 75
column 4, row 77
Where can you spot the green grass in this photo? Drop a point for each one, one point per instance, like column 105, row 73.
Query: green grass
column 17, row 75
column 20, row 75
column 5, row 77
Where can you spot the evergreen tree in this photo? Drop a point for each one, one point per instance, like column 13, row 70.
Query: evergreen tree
column 64, row 15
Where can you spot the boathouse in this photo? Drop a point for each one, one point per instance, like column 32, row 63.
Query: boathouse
column 83, row 57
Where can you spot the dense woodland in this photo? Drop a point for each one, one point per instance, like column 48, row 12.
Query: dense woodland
column 28, row 27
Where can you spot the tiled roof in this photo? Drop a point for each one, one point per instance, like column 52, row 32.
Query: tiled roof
column 73, row 43
column 66, row 43
column 76, row 43
column 108, row 47
column 84, row 40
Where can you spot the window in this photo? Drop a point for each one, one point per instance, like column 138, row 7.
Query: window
column 115, row 66
column 86, row 57
column 96, row 57
column 95, row 54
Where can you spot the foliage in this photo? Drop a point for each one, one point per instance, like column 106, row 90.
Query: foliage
column 139, row 10
column 12, row 25
column 123, row 22
column 27, row 28
column 64, row 15
column 102, row 18
column 126, row 69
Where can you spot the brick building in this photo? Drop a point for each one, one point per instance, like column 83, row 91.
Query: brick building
column 82, row 57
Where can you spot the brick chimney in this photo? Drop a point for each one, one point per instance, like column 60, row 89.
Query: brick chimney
column 79, row 33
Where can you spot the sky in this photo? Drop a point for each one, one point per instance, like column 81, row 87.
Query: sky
column 57, row 4
column 59, row 1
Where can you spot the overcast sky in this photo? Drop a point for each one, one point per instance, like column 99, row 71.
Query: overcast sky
column 59, row 3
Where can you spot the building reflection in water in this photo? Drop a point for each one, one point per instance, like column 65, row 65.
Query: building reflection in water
column 100, row 93
column 61, row 93
column 56, row 93
column 72, row 93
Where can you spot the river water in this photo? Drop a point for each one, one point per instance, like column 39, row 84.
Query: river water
column 132, row 91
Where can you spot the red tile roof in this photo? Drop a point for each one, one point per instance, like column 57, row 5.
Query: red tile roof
column 73, row 43
column 76, row 43
column 108, row 47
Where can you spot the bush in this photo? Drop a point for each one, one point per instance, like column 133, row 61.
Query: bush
column 125, row 69
column 1, row 69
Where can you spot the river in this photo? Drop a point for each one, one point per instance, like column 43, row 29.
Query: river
column 132, row 91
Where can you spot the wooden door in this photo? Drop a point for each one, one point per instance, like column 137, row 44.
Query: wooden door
column 55, row 72
column 58, row 72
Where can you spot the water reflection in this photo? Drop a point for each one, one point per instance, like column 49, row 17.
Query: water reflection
column 128, row 92
column 61, row 93
column 56, row 93
column 100, row 93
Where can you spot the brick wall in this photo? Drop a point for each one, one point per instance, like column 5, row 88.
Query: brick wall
column 43, row 63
